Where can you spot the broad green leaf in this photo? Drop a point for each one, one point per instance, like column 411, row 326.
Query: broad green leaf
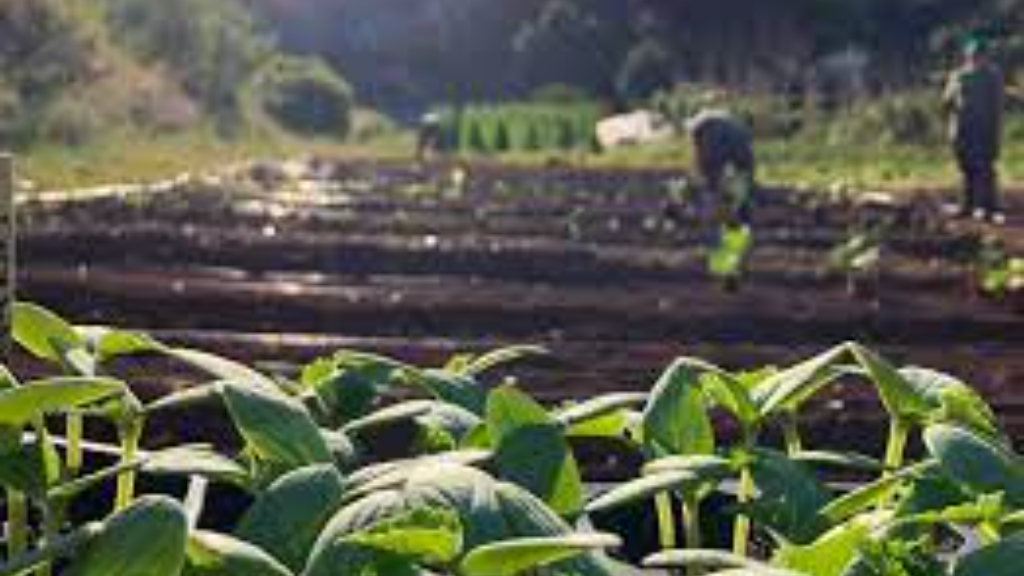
column 707, row 559
column 531, row 450
column 643, row 488
column 401, row 412
column 347, row 559
column 845, row 460
column 1014, row 521
column 30, row 468
column 213, row 554
column 896, row 392
column 1000, row 559
column 731, row 391
column 344, row 452
column 433, row 536
column 469, row 492
column 464, row 490
column 276, row 427
column 614, row 425
column 599, row 407
column 20, row 405
column 196, row 461
column 454, row 420
column 951, row 400
column 7, row 380
column 869, row 495
column 287, row 517
column 187, row 397
column 526, row 515
column 348, row 382
column 676, row 421
column 931, row 492
column 116, row 343
column 787, row 389
column 501, row 357
column 706, row 468
column 509, row 409
column 978, row 462
column 790, row 497
column 759, row 571
column 524, row 555
column 222, row 368
column 387, row 475
column 455, row 389
column 539, row 459
column 42, row 333
column 832, row 553
column 146, row 539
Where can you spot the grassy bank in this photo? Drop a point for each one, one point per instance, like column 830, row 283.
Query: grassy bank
column 809, row 162
column 135, row 157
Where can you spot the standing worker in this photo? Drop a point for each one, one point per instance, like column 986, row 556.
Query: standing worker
column 724, row 153
column 974, row 100
column 428, row 139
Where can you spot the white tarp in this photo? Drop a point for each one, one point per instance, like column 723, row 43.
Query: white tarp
column 634, row 128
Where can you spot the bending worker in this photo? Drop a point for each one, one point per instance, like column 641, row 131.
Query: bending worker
column 974, row 99
column 724, row 154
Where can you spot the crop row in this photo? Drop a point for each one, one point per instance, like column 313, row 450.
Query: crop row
column 362, row 464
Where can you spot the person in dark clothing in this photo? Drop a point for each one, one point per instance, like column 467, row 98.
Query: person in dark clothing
column 724, row 154
column 429, row 135
column 974, row 98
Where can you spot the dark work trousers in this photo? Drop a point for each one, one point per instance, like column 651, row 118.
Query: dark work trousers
column 980, row 183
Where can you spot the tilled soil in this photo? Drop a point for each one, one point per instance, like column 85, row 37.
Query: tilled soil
column 604, row 268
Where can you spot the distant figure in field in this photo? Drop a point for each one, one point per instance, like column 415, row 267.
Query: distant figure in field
column 428, row 139
column 974, row 98
column 724, row 153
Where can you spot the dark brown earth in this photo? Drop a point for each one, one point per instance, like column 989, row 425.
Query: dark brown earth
column 598, row 266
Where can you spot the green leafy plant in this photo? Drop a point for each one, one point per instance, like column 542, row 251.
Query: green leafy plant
column 727, row 261
column 858, row 258
column 497, row 489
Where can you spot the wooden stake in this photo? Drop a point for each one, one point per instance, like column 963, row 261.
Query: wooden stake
column 8, row 253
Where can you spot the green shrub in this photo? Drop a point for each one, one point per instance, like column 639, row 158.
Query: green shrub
column 914, row 118
column 214, row 48
column 511, row 127
column 502, row 138
column 646, row 70
column 69, row 122
column 559, row 94
column 305, row 96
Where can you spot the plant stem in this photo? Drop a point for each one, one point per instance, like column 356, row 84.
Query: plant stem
column 17, row 523
column 53, row 513
column 791, row 433
column 74, row 424
column 899, row 432
column 131, row 433
column 741, row 528
column 691, row 519
column 59, row 546
column 691, row 526
column 666, row 521
column 744, row 494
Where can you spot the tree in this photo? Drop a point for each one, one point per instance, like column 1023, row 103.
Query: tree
column 647, row 69
column 576, row 42
column 306, row 96
column 214, row 48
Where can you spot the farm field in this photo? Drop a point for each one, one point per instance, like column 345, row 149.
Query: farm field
column 598, row 266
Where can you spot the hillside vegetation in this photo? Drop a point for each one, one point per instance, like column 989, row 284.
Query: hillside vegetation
column 401, row 53
column 76, row 74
